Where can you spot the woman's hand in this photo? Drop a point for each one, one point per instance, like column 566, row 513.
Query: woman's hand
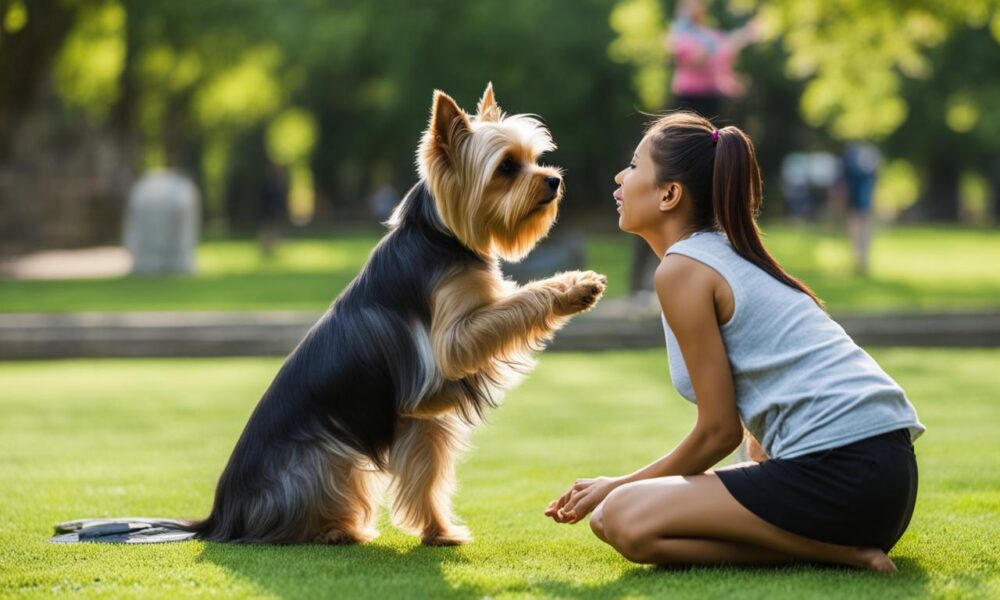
column 581, row 498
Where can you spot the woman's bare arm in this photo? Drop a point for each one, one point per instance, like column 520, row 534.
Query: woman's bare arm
column 687, row 290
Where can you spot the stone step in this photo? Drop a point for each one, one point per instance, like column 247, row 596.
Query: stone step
column 275, row 333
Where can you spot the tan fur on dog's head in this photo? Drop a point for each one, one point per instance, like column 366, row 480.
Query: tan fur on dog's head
column 484, row 175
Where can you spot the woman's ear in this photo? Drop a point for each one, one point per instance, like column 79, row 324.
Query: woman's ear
column 670, row 195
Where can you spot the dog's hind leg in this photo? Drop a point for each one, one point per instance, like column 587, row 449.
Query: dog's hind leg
column 422, row 463
column 351, row 500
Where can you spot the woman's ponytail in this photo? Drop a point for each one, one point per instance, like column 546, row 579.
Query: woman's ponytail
column 737, row 193
column 718, row 168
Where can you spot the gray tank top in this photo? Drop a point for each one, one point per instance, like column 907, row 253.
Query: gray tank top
column 802, row 384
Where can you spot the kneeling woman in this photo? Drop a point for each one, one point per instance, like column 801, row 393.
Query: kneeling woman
column 753, row 348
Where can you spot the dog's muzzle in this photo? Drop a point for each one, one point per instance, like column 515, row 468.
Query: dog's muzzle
column 553, row 183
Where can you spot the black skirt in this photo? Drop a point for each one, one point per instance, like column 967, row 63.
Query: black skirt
column 861, row 494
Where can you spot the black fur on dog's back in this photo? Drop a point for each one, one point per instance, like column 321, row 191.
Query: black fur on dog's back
column 344, row 384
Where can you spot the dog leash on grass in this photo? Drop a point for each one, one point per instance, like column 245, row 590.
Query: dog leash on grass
column 127, row 530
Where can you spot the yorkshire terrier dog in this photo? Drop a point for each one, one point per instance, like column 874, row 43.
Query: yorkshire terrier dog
column 387, row 385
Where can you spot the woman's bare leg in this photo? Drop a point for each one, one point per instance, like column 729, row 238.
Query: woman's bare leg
column 704, row 551
column 695, row 520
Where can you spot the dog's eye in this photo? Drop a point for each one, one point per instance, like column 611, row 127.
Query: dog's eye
column 507, row 167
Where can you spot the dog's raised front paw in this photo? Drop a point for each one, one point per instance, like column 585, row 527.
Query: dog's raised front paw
column 580, row 291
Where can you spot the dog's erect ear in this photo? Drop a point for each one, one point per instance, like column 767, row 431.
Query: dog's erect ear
column 448, row 121
column 488, row 109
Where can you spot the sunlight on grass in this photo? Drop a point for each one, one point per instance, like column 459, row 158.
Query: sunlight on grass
column 912, row 268
column 242, row 257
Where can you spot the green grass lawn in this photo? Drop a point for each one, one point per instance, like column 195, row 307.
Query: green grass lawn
column 913, row 268
column 149, row 437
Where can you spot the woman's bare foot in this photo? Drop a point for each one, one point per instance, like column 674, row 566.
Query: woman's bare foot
column 873, row 559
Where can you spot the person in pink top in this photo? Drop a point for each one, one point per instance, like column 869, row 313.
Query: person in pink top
column 703, row 76
column 703, row 59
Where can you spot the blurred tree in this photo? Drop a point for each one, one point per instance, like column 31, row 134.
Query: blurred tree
column 339, row 91
column 90, row 61
column 372, row 69
column 31, row 34
column 640, row 27
column 202, row 81
column 950, row 127
column 915, row 73
column 201, row 77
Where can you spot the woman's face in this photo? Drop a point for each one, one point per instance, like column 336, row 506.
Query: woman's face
column 638, row 194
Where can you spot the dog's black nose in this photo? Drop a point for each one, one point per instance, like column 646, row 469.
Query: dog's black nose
column 553, row 182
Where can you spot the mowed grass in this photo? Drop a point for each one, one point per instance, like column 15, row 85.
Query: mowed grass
column 913, row 268
column 149, row 437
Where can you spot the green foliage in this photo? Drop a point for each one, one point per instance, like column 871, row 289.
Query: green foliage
column 243, row 94
column 855, row 55
column 962, row 113
column 208, row 79
column 233, row 100
column 125, row 437
column 291, row 136
column 290, row 139
column 91, row 60
column 917, row 76
column 974, row 196
column 951, row 124
column 897, row 188
column 163, row 74
column 201, row 82
column 640, row 27
column 14, row 18
column 851, row 64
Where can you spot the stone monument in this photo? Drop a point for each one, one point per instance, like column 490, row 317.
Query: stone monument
column 161, row 224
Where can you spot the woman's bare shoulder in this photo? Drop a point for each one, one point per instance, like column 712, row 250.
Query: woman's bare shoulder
column 684, row 283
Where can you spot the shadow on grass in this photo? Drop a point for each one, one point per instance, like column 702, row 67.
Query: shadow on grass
column 369, row 571
column 797, row 581
column 390, row 572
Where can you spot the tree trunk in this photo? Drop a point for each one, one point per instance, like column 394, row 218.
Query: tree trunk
column 994, row 178
column 26, row 59
column 940, row 198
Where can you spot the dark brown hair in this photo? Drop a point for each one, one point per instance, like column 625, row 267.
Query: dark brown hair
column 720, row 174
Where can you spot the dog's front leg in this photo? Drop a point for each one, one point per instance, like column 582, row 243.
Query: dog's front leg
column 469, row 329
column 422, row 462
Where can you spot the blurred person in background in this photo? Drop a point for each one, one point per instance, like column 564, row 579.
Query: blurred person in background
column 384, row 197
column 273, row 207
column 703, row 77
column 860, row 163
column 703, row 59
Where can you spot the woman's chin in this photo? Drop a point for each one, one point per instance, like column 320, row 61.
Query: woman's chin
column 621, row 223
